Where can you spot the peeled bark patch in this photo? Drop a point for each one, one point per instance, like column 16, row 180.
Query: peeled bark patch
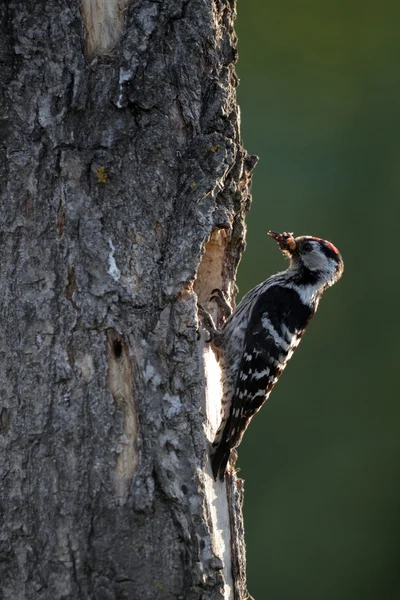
column 104, row 22
column 212, row 273
column 120, row 383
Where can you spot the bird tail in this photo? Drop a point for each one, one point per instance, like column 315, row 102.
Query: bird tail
column 219, row 460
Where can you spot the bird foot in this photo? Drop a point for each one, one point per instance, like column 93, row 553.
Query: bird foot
column 208, row 322
column 219, row 297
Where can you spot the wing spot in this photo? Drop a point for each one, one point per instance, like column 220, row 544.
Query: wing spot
column 260, row 374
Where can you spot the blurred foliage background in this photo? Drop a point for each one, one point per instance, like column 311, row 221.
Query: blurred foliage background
column 320, row 102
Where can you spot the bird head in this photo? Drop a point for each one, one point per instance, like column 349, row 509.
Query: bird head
column 318, row 256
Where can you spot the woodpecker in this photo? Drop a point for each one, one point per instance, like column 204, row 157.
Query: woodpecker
column 259, row 337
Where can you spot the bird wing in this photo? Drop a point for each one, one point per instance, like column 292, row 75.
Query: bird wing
column 259, row 369
column 276, row 325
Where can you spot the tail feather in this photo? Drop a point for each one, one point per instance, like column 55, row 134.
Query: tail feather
column 219, row 460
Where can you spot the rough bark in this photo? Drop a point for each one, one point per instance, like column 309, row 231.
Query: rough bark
column 123, row 192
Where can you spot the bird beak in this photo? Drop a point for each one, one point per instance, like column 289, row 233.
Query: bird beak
column 286, row 241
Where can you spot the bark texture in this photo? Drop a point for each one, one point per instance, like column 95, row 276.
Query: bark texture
column 123, row 192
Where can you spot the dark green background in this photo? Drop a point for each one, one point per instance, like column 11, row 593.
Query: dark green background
column 320, row 101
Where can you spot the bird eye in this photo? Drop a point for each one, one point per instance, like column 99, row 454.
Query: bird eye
column 307, row 247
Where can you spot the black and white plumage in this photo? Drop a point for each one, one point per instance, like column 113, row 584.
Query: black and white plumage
column 260, row 336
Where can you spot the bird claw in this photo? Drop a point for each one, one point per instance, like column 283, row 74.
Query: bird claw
column 219, row 297
column 208, row 322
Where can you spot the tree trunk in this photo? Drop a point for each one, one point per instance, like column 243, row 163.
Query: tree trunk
column 124, row 189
